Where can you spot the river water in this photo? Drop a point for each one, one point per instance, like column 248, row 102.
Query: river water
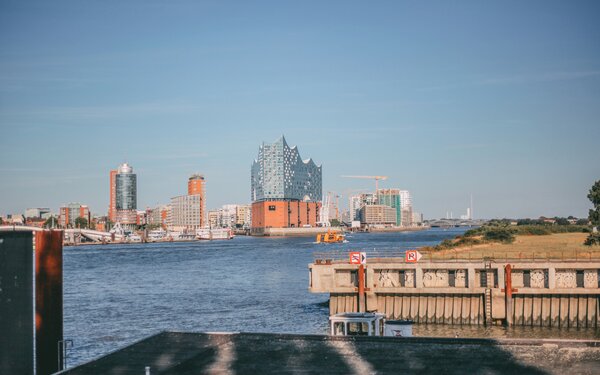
column 118, row 294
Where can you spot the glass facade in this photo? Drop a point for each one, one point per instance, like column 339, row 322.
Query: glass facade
column 391, row 198
column 280, row 173
column 126, row 188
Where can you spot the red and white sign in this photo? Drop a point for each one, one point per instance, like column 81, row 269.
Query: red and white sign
column 412, row 256
column 357, row 257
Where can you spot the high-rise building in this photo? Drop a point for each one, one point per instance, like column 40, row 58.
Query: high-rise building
column 391, row 198
column 359, row 201
column 185, row 211
column 126, row 195
column 197, row 186
column 286, row 191
column 112, row 204
column 70, row 212
column 407, row 208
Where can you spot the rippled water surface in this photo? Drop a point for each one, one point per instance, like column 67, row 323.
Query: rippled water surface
column 117, row 294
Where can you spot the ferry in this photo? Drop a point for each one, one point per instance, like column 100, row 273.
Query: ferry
column 331, row 236
column 214, row 234
column 132, row 237
column 180, row 236
column 157, row 235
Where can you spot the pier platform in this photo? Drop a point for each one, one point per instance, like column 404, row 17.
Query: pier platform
column 262, row 353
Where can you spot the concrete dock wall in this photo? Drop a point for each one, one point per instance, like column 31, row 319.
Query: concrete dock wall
column 542, row 293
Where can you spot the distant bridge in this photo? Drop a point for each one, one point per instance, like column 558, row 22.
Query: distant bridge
column 71, row 235
column 448, row 223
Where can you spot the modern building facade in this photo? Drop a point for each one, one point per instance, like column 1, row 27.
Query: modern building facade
column 377, row 214
column 391, row 198
column 70, row 212
column 243, row 216
column 286, row 191
column 197, row 186
column 358, row 201
column 112, row 203
column 126, row 195
column 280, row 173
column 407, row 207
column 157, row 216
column 37, row 213
column 399, row 200
column 185, row 212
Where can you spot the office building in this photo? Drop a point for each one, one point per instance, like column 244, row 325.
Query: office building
column 358, row 201
column 377, row 214
column 244, row 216
column 70, row 212
column 112, row 203
column 37, row 213
column 213, row 219
column 286, row 191
column 157, row 216
column 125, row 195
column 407, row 207
column 197, row 186
column 185, row 212
column 391, row 198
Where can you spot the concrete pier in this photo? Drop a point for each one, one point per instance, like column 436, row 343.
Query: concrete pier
column 541, row 293
column 260, row 353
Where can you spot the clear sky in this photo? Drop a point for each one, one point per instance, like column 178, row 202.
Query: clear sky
column 496, row 99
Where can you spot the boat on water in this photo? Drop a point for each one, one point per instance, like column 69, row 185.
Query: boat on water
column 214, row 234
column 180, row 236
column 156, row 235
column 331, row 236
column 132, row 237
column 368, row 324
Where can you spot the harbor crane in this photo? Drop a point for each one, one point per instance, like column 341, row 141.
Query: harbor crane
column 376, row 178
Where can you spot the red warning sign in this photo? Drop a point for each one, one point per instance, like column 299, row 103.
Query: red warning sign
column 357, row 257
column 412, row 256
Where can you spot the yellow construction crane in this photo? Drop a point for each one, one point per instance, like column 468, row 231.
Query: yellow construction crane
column 376, row 178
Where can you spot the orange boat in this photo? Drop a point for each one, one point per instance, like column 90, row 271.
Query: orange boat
column 331, row 236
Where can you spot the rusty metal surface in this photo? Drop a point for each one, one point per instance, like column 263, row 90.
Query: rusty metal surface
column 48, row 300
column 16, row 303
column 255, row 353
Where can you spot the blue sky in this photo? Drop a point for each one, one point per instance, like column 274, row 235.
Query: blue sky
column 496, row 99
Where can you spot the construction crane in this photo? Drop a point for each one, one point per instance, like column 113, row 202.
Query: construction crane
column 376, row 178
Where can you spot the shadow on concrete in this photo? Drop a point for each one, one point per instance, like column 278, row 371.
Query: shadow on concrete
column 250, row 353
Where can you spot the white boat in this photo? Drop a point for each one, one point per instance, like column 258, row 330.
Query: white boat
column 157, row 235
column 180, row 236
column 214, row 234
column 133, row 238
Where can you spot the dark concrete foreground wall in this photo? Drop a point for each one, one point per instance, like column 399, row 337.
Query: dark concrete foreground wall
column 48, row 301
column 16, row 303
column 255, row 353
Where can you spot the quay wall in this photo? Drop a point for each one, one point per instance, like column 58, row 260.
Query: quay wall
column 541, row 293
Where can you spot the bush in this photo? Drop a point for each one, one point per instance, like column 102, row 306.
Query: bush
column 592, row 240
column 503, row 235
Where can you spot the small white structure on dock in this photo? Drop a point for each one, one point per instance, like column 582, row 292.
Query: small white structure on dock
column 357, row 324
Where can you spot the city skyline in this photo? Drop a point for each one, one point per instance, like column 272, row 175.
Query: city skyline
column 497, row 100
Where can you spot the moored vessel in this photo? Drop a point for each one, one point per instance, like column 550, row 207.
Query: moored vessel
column 214, row 234
column 331, row 236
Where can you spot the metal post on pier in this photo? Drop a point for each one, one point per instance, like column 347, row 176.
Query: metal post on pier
column 508, row 294
column 361, row 288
